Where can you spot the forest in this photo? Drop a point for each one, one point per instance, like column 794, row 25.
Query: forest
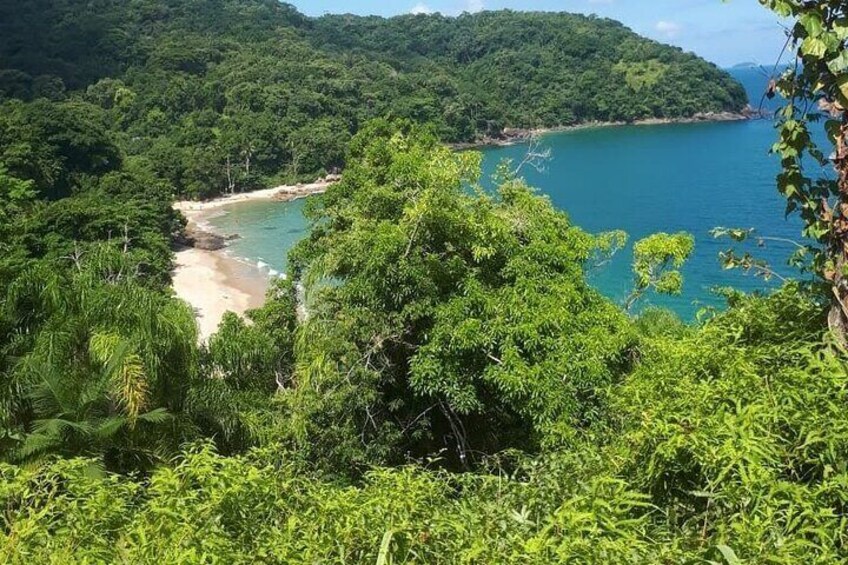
column 458, row 392
column 227, row 95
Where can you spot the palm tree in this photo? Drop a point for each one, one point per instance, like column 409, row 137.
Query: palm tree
column 88, row 413
column 101, row 366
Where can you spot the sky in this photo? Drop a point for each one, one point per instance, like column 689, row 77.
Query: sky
column 726, row 33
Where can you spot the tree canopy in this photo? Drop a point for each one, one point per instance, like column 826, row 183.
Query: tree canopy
column 226, row 95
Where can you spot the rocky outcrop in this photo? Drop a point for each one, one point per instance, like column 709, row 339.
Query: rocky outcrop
column 201, row 239
column 289, row 193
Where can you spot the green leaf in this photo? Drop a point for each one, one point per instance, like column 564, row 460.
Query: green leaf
column 729, row 555
column 840, row 28
column 812, row 22
column 838, row 64
column 814, row 47
column 384, row 557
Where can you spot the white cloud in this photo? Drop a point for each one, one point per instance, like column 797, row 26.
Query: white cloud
column 421, row 8
column 669, row 29
column 475, row 6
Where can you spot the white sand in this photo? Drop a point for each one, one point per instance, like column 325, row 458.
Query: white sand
column 213, row 283
column 287, row 192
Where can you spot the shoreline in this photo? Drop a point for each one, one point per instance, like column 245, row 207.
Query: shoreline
column 515, row 136
column 212, row 281
column 285, row 193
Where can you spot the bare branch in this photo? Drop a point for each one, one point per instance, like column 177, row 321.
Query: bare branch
column 536, row 157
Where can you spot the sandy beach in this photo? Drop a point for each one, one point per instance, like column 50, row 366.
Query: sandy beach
column 280, row 193
column 213, row 282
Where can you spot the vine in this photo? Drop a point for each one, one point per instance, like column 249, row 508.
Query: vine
column 816, row 89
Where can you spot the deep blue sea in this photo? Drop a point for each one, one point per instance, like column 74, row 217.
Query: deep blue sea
column 640, row 179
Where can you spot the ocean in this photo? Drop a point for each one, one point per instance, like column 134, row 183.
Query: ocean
column 640, row 179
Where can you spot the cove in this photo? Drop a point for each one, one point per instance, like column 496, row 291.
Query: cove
column 640, row 179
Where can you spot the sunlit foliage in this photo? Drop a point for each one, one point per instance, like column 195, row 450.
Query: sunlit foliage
column 437, row 382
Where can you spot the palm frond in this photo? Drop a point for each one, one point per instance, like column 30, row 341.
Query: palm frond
column 158, row 416
column 108, row 427
column 124, row 370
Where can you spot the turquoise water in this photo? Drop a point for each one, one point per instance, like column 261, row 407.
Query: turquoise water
column 267, row 230
column 641, row 179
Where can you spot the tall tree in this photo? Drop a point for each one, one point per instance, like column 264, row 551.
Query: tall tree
column 442, row 319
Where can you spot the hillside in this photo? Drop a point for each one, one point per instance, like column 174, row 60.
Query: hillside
column 542, row 69
column 224, row 95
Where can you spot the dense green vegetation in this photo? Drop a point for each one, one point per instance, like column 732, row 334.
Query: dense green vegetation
column 224, row 95
column 465, row 339
column 437, row 384
column 820, row 73
column 727, row 440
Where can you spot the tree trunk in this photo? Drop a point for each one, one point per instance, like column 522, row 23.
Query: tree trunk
column 838, row 317
column 231, row 185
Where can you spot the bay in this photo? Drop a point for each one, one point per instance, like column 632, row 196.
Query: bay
column 640, row 179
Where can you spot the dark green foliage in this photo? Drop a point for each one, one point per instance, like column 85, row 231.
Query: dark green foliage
column 246, row 362
column 442, row 319
column 57, row 146
column 76, row 42
column 525, row 336
column 96, row 358
column 440, row 324
column 429, row 324
column 561, row 68
column 728, row 443
column 127, row 210
column 225, row 95
column 96, row 363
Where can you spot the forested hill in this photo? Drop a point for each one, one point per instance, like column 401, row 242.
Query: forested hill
column 525, row 69
column 230, row 95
